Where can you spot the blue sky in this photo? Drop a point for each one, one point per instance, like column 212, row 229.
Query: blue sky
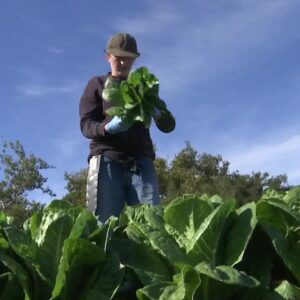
column 228, row 70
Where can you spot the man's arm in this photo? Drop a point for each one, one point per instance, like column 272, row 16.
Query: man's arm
column 163, row 118
column 91, row 111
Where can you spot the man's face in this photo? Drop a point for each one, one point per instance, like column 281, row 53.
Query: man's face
column 120, row 66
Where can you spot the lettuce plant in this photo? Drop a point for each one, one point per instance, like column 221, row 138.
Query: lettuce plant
column 193, row 248
column 135, row 98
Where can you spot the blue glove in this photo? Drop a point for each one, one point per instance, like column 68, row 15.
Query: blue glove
column 116, row 125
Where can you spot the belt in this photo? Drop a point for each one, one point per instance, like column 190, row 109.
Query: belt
column 131, row 163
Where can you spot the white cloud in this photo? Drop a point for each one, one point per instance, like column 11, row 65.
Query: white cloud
column 35, row 82
column 67, row 148
column 156, row 21
column 55, row 50
column 205, row 43
column 294, row 176
column 37, row 90
column 280, row 157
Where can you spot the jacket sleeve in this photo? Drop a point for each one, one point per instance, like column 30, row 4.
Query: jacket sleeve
column 91, row 111
column 165, row 122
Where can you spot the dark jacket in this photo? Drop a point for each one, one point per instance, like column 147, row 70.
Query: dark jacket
column 135, row 142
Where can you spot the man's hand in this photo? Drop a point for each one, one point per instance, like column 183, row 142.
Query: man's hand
column 156, row 114
column 116, row 125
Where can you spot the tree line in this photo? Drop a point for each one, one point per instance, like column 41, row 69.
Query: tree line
column 189, row 172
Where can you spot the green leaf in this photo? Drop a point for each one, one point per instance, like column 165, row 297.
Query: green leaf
column 128, row 95
column 135, row 76
column 222, row 282
column 147, row 264
column 240, row 232
column 153, row 291
column 11, row 289
column 130, row 106
column 183, row 287
column 58, row 214
column 109, row 277
column 278, row 214
column 103, row 233
column 282, row 224
column 58, row 204
column 288, row 291
column 19, row 272
column 115, row 111
column 80, row 260
column 270, row 194
column 34, row 223
column 216, row 200
column 150, row 231
column 51, row 240
column 207, row 242
column 139, row 94
column 21, row 244
column 49, row 229
column 84, row 225
column 96, row 295
column 292, row 198
column 133, row 214
column 285, row 291
column 189, row 280
column 183, row 218
column 112, row 90
column 136, row 233
column 28, row 250
column 3, row 243
column 288, row 247
column 227, row 274
column 259, row 262
column 158, row 240
column 2, row 218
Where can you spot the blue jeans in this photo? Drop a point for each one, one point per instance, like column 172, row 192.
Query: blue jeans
column 120, row 183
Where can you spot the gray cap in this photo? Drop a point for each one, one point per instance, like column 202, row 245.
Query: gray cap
column 122, row 44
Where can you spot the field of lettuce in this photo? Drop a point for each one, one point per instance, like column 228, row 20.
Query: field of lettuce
column 193, row 248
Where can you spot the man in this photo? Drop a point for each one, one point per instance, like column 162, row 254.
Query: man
column 121, row 168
